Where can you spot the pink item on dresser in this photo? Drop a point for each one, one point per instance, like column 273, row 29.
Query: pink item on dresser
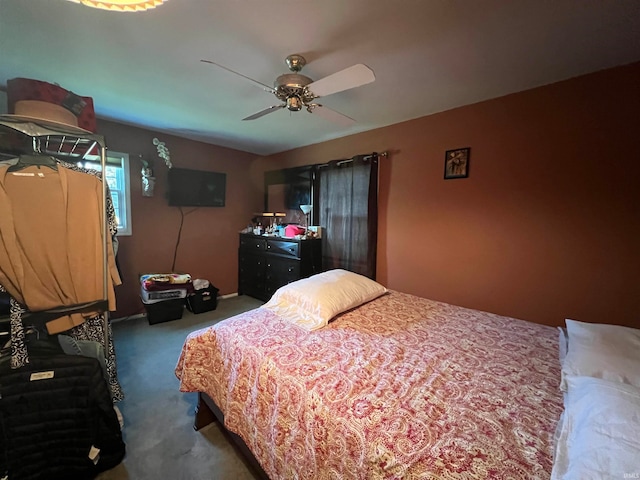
column 293, row 230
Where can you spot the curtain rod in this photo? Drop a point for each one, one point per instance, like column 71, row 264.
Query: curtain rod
column 367, row 156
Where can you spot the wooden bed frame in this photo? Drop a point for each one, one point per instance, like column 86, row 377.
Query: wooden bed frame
column 208, row 412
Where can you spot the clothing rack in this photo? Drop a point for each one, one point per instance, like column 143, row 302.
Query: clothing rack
column 69, row 143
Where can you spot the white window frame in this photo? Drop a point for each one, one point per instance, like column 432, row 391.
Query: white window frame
column 120, row 197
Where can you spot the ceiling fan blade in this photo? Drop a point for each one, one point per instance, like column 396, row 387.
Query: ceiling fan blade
column 264, row 112
column 351, row 77
column 262, row 85
column 333, row 116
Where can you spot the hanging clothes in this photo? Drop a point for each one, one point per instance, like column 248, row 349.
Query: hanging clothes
column 92, row 330
column 51, row 248
column 93, row 327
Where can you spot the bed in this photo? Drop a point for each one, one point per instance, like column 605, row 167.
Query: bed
column 396, row 387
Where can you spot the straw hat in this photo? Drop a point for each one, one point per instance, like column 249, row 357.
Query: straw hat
column 35, row 99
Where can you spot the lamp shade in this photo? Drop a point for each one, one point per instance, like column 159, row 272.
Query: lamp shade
column 305, row 209
column 121, row 5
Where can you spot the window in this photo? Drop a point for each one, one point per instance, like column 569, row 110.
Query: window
column 117, row 177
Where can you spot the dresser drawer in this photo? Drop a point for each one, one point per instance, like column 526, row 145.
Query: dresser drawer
column 253, row 244
column 252, row 265
column 282, row 247
column 284, row 270
column 279, row 272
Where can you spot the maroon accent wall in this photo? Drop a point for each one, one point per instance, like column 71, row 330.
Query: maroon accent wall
column 209, row 241
column 546, row 227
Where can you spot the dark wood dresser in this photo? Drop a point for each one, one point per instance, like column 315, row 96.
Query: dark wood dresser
column 267, row 263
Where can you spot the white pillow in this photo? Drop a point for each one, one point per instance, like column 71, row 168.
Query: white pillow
column 611, row 352
column 313, row 301
column 599, row 428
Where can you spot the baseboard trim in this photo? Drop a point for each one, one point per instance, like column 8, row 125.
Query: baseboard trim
column 130, row 317
column 140, row 315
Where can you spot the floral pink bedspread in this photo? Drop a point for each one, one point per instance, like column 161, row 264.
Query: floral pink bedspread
column 399, row 388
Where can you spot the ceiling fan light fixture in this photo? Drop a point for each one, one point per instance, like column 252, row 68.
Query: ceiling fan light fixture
column 121, row 5
column 294, row 103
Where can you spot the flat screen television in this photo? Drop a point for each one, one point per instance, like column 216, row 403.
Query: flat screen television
column 196, row 188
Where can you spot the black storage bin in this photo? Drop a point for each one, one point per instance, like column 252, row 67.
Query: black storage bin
column 203, row 300
column 164, row 311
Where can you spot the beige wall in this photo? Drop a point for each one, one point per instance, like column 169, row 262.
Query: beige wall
column 546, row 227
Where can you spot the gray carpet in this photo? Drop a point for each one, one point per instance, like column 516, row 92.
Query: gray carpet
column 158, row 418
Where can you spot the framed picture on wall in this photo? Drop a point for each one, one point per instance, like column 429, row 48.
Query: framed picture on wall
column 456, row 163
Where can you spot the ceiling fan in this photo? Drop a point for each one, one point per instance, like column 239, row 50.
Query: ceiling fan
column 297, row 91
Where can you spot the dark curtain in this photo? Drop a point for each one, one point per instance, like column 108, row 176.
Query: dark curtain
column 348, row 200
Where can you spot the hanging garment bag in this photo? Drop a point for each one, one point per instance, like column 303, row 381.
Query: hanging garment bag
column 56, row 418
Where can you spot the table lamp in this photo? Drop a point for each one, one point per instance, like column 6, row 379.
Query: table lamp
column 306, row 209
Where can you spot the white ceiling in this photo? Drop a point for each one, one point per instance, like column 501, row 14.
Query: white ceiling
column 428, row 56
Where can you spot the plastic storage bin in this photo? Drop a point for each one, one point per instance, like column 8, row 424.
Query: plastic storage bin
column 164, row 311
column 203, row 300
column 161, row 295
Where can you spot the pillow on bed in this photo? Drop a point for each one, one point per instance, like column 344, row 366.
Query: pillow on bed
column 611, row 352
column 598, row 431
column 313, row 301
